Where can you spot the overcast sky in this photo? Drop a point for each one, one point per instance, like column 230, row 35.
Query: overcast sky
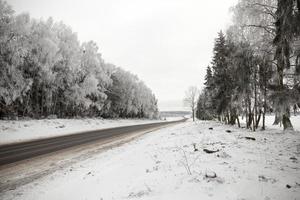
column 167, row 43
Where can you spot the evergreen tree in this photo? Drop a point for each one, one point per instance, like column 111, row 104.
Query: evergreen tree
column 221, row 93
column 285, row 32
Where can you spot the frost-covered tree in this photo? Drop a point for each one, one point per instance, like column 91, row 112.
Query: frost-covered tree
column 129, row 97
column 46, row 71
column 13, row 50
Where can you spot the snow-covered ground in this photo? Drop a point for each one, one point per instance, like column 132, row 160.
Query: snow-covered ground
column 270, row 119
column 294, row 119
column 22, row 130
column 164, row 165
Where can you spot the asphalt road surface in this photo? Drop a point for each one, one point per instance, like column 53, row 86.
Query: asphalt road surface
column 20, row 151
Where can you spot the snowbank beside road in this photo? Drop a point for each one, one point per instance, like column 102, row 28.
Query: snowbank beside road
column 23, row 130
column 164, row 165
column 16, row 131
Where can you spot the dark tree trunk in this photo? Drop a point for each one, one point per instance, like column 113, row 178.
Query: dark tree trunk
column 265, row 103
column 238, row 121
column 287, row 125
column 277, row 118
column 193, row 113
column 255, row 101
column 258, row 119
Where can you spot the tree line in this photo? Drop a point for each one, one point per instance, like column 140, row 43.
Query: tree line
column 45, row 70
column 255, row 67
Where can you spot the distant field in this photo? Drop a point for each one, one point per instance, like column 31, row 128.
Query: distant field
column 164, row 114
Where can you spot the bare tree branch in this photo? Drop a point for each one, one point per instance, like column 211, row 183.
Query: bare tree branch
column 263, row 5
column 267, row 28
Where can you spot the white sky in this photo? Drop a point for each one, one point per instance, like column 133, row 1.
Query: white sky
column 167, row 43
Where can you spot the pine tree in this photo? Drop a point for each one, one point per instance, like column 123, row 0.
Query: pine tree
column 205, row 110
column 221, row 79
column 282, row 41
column 208, row 78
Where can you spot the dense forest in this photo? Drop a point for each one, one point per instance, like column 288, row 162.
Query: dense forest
column 45, row 71
column 255, row 67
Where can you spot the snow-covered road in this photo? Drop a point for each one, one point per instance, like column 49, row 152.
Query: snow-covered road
column 164, row 165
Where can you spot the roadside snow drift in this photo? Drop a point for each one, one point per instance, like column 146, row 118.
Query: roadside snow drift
column 24, row 130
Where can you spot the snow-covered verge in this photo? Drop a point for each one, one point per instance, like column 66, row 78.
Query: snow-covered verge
column 23, row 130
column 164, row 165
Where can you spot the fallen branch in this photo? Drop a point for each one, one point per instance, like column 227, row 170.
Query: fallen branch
column 250, row 138
column 210, row 151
